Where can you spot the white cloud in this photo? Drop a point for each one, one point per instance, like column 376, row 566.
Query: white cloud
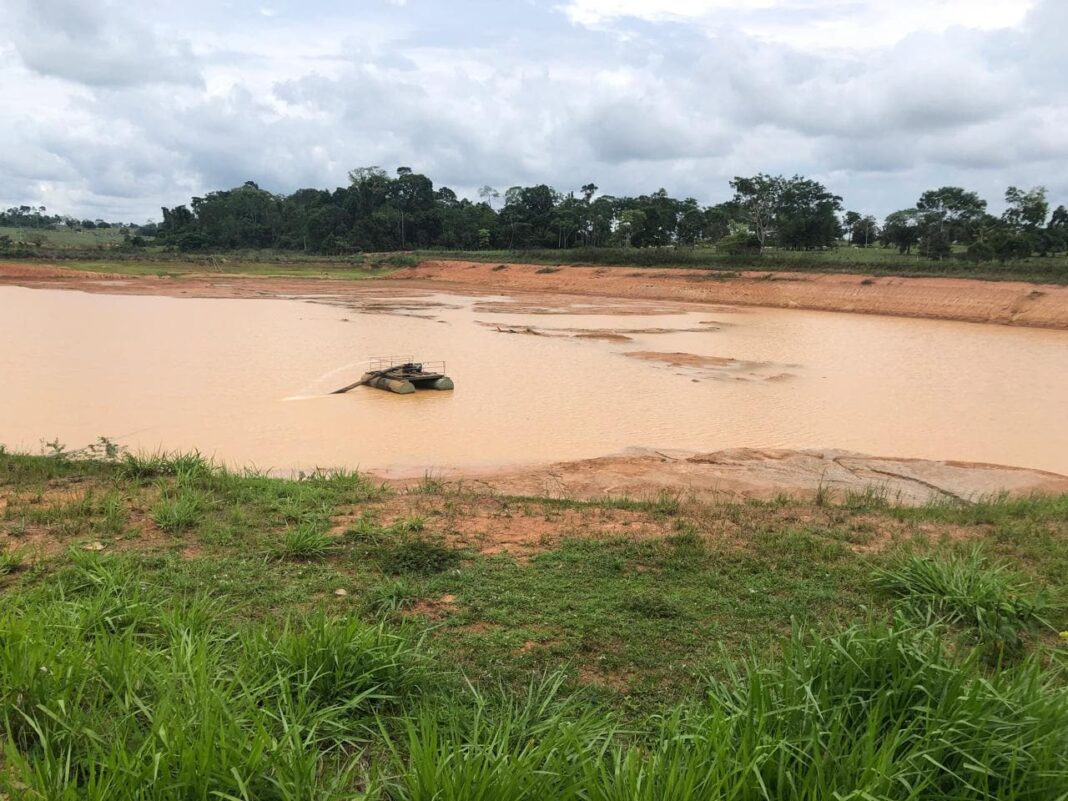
column 97, row 44
column 810, row 23
column 115, row 114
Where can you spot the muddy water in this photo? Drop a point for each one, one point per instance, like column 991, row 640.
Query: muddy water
column 245, row 380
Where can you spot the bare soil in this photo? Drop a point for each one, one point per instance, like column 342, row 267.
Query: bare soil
column 969, row 300
column 741, row 473
column 1001, row 302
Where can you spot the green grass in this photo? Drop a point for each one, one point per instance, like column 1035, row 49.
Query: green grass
column 757, row 650
column 871, row 713
column 417, row 556
column 10, row 561
column 875, row 261
column 304, row 542
column 988, row 598
column 109, row 690
column 872, row 260
column 180, row 511
column 169, row 265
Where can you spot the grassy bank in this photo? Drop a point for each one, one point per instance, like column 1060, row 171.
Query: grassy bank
column 172, row 630
column 251, row 264
column 874, row 261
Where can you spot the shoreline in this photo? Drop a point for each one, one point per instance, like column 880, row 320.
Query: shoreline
column 958, row 299
column 735, row 474
column 969, row 300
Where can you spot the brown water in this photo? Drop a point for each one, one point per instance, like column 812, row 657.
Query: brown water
column 245, row 381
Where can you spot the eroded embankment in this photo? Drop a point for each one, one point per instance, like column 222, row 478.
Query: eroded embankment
column 966, row 300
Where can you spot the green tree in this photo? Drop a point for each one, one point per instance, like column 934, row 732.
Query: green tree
column 863, row 231
column 901, row 230
column 757, row 200
column 950, row 214
column 1026, row 210
column 792, row 212
column 1057, row 230
column 631, row 222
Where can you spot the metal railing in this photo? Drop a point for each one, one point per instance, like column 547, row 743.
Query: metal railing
column 380, row 363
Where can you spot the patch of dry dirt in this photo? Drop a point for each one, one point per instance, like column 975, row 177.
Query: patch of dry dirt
column 492, row 525
column 433, row 609
column 38, row 541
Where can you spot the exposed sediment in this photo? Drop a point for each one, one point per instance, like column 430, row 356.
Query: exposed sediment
column 752, row 473
column 963, row 299
column 967, row 300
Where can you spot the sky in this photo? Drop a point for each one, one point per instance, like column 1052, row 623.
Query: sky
column 113, row 109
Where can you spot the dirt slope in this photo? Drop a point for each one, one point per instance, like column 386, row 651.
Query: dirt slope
column 1002, row 302
column 999, row 302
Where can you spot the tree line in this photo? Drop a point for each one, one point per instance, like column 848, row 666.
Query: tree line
column 37, row 217
column 378, row 211
column 952, row 216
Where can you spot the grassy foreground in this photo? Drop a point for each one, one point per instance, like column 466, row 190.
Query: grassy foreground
column 171, row 630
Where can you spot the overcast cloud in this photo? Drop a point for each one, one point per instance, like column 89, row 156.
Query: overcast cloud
column 112, row 109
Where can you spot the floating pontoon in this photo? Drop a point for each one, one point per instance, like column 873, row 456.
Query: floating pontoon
column 402, row 375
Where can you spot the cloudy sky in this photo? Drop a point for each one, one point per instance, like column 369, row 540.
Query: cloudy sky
column 111, row 109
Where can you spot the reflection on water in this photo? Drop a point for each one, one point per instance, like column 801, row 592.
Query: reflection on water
column 245, row 380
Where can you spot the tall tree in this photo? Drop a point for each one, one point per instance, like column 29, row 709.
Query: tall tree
column 757, row 200
column 1026, row 210
column 951, row 213
column 489, row 195
column 901, row 229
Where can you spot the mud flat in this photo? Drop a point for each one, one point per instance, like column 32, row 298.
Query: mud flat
column 763, row 474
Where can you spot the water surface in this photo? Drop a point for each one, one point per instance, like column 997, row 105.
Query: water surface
column 245, row 381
